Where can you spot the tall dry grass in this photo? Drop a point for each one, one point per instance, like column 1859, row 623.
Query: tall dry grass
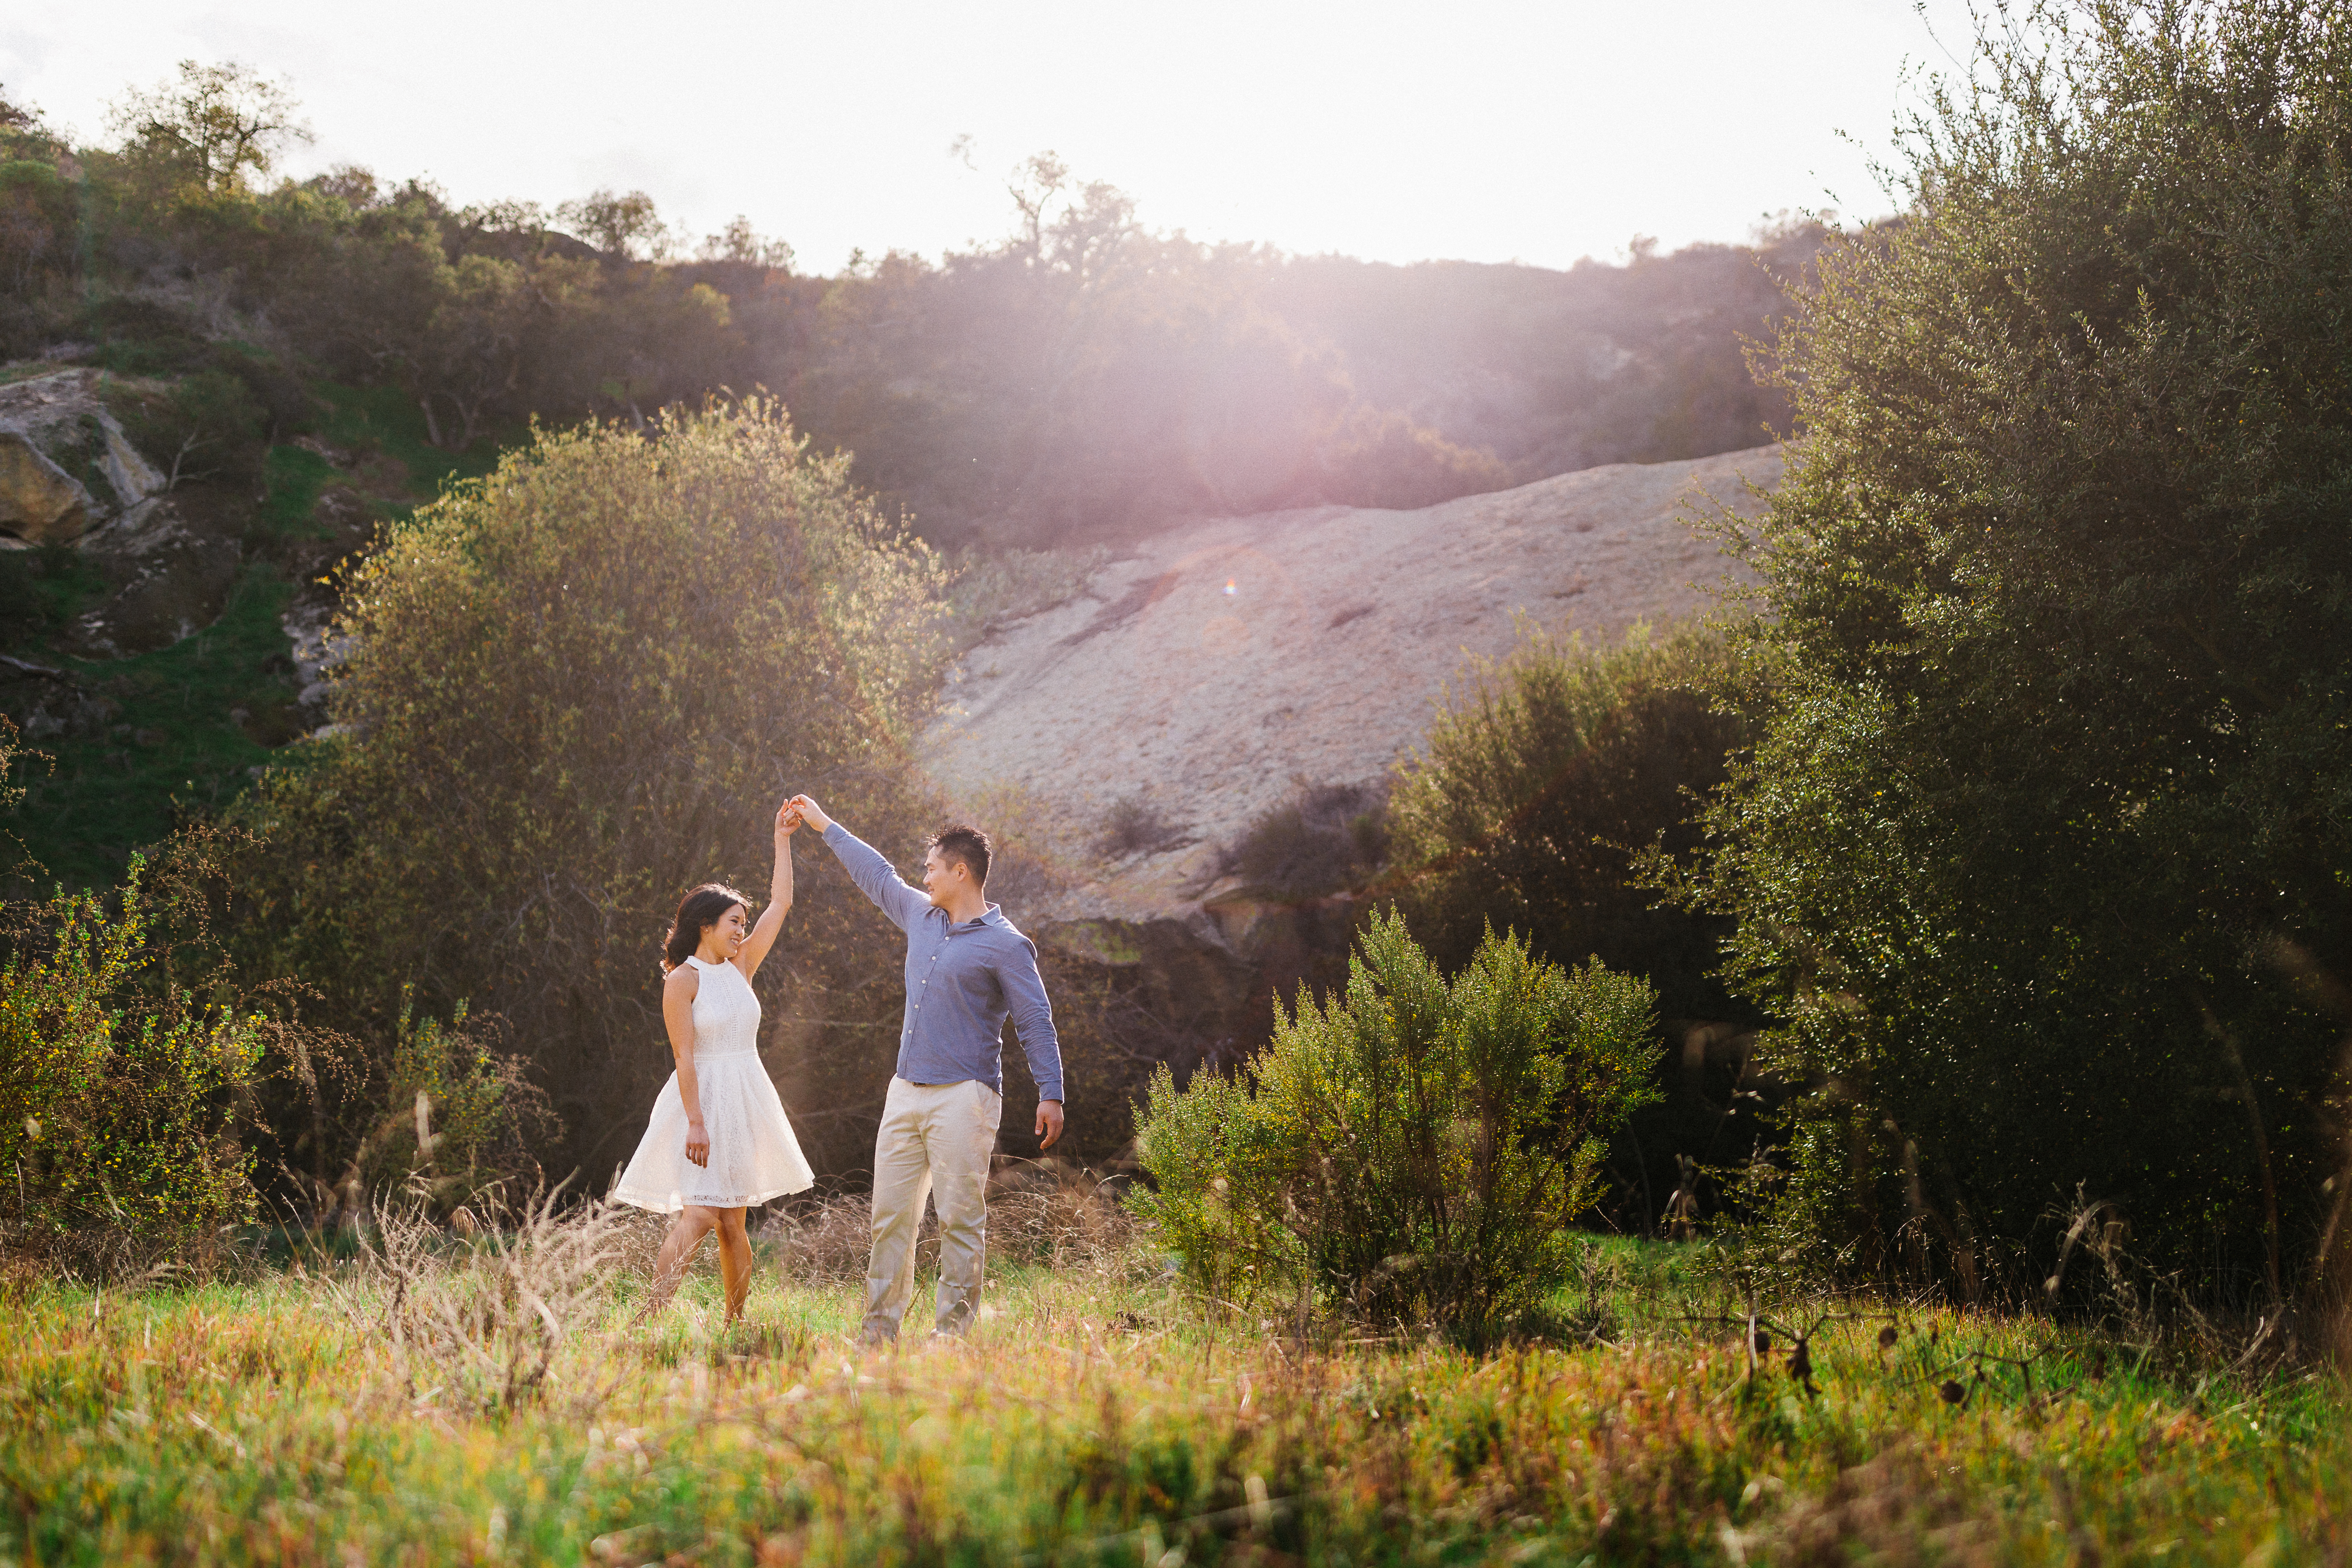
column 1091, row 1421
column 512, row 1313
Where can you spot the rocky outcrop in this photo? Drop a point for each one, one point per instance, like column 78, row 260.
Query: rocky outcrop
column 70, row 475
column 1204, row 679
column 39, row 502
column 66, row 465
column 170, row 575
column 45, row 702
column 317, row 648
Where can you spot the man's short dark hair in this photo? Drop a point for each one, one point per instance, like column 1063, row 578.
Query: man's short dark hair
column 968, row 844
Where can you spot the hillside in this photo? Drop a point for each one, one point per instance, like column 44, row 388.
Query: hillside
column 159, row 632
column 216, row 384
column 1205, row 677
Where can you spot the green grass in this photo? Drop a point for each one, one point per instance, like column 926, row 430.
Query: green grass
column 372, row 419
column 388, row 420
column 292, row 477
column 29, row 370
column 169, row 751
column 41, row 590
column 1097, row 1418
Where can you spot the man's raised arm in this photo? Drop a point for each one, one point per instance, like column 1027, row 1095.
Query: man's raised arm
column 874, row 876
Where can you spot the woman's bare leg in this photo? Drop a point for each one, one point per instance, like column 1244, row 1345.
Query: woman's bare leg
column 734, row 1260
column 686, row 1234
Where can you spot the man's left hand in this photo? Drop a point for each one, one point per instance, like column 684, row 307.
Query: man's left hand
column 1049, row 1122
column 809, row 812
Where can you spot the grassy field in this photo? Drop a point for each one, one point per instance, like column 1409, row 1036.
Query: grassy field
column 331, row 1413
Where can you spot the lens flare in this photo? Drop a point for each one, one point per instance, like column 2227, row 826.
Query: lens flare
column 1232, row 587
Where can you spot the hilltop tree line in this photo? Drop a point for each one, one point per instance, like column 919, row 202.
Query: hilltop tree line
column 1082, row 376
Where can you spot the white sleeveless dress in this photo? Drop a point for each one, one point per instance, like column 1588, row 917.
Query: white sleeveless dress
column 753, row 1154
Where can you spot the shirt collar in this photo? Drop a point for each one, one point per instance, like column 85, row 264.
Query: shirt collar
column 992, row 915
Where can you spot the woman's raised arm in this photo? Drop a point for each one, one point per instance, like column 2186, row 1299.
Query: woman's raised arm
column 780, row 895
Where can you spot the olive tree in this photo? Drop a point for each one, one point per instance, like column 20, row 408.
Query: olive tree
column 577, row 687
column 215, row 123
column 2041, row 860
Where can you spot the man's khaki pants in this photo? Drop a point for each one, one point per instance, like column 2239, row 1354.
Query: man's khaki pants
column 935, row 1142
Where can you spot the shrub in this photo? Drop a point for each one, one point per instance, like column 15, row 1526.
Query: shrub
column 117, row 1097
column 577, row 687
column 1382, row 459
column 1134, row 824
column 207, row 424
column 1324, row 838
column 1410, row 1151
column 1531, row 803
column 458, row 1119
column 1538, row 784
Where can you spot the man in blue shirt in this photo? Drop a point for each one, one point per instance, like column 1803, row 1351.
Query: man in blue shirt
column 967, row 970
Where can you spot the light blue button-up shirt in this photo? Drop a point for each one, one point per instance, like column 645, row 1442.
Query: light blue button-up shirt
column 963, row 981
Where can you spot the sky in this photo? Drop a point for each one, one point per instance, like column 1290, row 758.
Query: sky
column 1538, row 132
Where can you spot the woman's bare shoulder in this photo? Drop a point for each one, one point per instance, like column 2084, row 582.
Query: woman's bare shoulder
column 684, row 981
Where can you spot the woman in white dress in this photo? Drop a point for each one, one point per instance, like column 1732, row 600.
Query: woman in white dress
column 718, row 1142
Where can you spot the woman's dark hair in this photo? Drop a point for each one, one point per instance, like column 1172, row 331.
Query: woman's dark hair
column 696, row 913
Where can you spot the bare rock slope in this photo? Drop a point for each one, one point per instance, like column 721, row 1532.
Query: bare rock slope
column 66, row 465
column 1228, row 662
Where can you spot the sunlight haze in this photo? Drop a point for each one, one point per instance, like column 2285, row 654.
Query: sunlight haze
column 1539, row 132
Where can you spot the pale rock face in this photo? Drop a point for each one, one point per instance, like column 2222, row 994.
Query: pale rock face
column 39, row 502
column 66, row 465
column 1231, row 661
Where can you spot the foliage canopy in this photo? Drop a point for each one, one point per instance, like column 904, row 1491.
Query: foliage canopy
column 1541, row 788
column 576, row 689
column 2049, row 828
column 1410, row 1150
column 118, row 1087
column 1077, row 379
column 1539, row 783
